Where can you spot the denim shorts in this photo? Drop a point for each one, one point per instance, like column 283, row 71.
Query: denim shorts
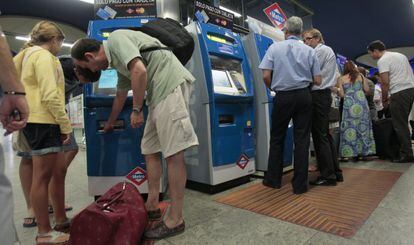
column 73, row 145
column 43, row 138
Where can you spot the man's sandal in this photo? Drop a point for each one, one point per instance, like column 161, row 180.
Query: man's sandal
column 63, row 227
column 52, row 238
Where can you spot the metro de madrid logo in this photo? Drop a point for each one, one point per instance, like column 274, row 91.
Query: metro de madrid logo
column 278, row 17
column 137, row 176
column 243, row 161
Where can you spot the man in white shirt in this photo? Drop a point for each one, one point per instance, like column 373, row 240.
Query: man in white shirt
column 397, row 79
column 326, row 153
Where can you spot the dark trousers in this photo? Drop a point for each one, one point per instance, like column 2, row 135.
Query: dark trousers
column 296, row 105
column 400, row 107
column 323, row 142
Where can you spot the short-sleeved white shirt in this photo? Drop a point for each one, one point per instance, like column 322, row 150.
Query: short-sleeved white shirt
column 400, row 72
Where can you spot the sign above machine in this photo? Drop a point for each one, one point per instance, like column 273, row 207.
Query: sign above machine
column 209, row 14
column 114, row 9
column 276, row 15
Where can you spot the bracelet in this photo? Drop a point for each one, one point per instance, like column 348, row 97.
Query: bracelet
column 137, row 109
column 14, row 93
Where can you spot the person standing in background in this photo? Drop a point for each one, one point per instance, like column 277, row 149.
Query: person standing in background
column 397, row 79
column 326, row 153
column 48, row 125
column 370, row 94
column 357, row 138
column 295, row 67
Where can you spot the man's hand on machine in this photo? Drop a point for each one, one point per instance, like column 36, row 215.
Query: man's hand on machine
column 137, row 119
column 108, row 127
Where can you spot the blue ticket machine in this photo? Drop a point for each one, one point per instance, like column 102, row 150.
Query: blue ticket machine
column 222, row 110
column 116, row 156
column 256, row 46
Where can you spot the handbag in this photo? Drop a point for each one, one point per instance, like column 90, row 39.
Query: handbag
column 117, row 217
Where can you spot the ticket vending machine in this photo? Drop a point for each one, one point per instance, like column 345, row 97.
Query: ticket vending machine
column 112, row 157
column 222, row 111
column 256, row 46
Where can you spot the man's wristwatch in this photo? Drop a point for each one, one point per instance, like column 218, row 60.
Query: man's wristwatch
column 137, row 109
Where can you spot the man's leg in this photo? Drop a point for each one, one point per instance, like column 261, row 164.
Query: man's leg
column 301, row 127
column 281, row 115
column 400, row 108
column 321, row 102
column 177, row 177
column 154, row 171
column 175, row 134
column 334, row 151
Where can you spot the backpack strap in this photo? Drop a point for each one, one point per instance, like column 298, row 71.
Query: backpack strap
column 146, row 50
column 154, row 48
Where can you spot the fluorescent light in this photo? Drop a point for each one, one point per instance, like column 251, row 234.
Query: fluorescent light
column 88, row 1
column 70, row 45
column 233, row 12
column 23, row 38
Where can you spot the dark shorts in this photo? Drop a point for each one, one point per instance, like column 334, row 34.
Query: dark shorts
column 43, row 138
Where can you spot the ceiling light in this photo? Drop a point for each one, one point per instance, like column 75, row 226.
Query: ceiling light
column 233, row 12
column 88, row 1
column 26, row 39
column 22, row 38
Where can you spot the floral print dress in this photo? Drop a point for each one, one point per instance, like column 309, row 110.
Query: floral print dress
column 357, row 138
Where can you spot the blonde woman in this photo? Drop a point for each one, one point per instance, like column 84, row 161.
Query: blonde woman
column 48, row 124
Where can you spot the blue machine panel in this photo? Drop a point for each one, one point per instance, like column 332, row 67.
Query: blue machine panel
column 111, row 154
column 230, row 92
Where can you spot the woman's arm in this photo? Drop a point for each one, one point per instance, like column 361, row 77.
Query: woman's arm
column 339, row 85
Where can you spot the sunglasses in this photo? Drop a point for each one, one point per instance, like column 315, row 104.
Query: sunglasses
column 308, row 38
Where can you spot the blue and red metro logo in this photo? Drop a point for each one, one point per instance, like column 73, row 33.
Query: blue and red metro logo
column 278, row 17
column 137, row 176
column 243, row 161
column 275, row 15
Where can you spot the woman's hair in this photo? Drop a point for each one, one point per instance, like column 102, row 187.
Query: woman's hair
column 351, row 69
column 43, row 32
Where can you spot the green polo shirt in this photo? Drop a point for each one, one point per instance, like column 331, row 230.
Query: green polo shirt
column 164, row 70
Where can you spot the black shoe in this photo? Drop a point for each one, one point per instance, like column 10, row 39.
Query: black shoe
column 339, row 177
column 323, row 182
column 266, row 183
column 298, row 192
column 403, row 160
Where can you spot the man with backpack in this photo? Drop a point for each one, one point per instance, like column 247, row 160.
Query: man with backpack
column 168, row 128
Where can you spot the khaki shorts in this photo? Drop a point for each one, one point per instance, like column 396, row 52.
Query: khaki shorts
column 168, row 128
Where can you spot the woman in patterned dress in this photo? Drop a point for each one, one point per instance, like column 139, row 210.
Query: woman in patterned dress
column 357, row 138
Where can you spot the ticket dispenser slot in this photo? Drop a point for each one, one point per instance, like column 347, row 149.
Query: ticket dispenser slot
column 226, row 120
column 119, row 125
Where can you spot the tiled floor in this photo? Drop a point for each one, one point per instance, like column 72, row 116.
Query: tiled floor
column 209, row 222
